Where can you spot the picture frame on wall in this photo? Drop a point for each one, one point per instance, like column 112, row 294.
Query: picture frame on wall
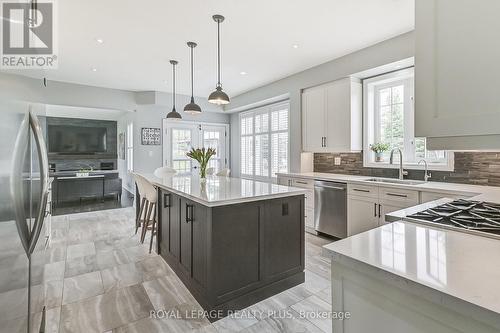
column 151, row 136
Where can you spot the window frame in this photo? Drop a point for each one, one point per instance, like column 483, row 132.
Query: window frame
column 266, row 109
column 370, row 98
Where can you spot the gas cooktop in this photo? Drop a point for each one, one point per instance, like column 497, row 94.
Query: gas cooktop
column 472, row 216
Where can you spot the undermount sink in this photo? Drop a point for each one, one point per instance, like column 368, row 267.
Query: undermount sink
column 395, row 181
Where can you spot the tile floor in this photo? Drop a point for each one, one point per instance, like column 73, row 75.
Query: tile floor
column 103, row 280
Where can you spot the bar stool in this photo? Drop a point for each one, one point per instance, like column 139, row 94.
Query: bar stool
column 144, row 203
column 224, row 172
column 150, row 221
column 149, row 198
column 164, row 171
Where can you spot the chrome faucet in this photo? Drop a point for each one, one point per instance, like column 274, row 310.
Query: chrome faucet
column 427, row 175
column 402, row 172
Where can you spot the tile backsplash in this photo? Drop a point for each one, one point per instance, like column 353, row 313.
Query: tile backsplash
column 479, row 168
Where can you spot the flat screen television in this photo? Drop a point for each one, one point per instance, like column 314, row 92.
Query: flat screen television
column 68, row 139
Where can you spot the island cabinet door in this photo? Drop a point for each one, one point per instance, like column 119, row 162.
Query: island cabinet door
column 174, row 227
column 284, row 237
column 193, row 238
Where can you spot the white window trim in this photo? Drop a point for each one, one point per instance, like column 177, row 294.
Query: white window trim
column 263, row 109
column 368, row 130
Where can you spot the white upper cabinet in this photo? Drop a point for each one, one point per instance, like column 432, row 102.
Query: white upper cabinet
column 313, row 119
column 332, row 117
column 457, row 73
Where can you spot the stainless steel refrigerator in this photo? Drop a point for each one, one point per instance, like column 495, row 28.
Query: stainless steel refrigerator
column 24, row 192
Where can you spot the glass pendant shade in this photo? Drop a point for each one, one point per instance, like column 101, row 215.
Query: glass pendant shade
column 192, row 107
column 173, row 114
column 218, row 97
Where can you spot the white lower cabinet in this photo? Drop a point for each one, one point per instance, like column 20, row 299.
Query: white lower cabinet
column 362, row 214
column 368, row 205
column 308, row 184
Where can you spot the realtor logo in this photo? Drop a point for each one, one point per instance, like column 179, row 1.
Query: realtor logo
column 28, row 35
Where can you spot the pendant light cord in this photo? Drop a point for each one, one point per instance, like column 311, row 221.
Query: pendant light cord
column 173, row 91
column 218, row 53
column 192, row 75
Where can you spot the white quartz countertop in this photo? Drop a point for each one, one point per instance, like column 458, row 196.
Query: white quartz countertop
column 220, row 191
column 473, row 192
column 455, row 263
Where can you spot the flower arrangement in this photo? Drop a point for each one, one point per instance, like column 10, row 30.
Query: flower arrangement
column 379, row 148
column 202, row 156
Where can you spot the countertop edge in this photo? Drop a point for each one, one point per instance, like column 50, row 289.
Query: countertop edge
column 383, row 273
column 296, row 191
column 470, row 190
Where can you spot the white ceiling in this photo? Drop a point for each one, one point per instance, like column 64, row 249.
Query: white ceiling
column 257, row 37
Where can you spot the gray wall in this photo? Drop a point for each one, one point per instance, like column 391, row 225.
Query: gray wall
column 61, row 93
column 398, row 48
column 145, row 109
column 148, row 158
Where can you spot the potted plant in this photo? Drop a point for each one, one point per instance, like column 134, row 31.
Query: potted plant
column 202, row 156
column 84, row 172
column 379, row 148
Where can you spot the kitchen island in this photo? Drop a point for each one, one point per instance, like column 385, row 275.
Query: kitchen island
column 232, row 241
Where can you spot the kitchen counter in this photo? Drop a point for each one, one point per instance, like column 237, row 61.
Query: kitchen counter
column 444, row 260
column 221, row 191
column 443, row 267
column 473, row 192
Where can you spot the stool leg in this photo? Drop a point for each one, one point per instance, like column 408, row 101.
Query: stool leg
column 138, row 219
column 146, row 223
column 153, row 232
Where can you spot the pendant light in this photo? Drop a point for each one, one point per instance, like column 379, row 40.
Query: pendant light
column 192, row 107
column 218, row 96
column 173, row 114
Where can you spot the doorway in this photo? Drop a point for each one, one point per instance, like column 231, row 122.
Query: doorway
column 180, row 136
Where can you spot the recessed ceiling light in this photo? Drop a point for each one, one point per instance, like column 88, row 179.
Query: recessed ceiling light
column 295, row 46
column 93, row 69
column 243, row 73
column 99, row 40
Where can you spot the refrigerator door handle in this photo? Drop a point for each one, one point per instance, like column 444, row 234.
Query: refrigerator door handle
column 44, row 180
column 16, row 182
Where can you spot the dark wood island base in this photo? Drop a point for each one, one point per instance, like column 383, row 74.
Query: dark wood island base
column 235, row 255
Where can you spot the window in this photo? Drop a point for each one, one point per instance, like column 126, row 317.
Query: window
column 389, row 118
column 130, row 147
column 264, row 141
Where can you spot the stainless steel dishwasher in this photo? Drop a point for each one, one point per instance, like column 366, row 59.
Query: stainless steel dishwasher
column 330, row 208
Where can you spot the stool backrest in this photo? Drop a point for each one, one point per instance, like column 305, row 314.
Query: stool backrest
column 210, row 171
column 146, row 189
column 224, row 172
column 164, row 171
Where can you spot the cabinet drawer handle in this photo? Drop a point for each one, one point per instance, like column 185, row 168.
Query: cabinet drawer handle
column 300, row 182
column 359, row 190
column 397, row 195
column 375, row 210
column 189, row 213
column 379, row 208
column 166, row 200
